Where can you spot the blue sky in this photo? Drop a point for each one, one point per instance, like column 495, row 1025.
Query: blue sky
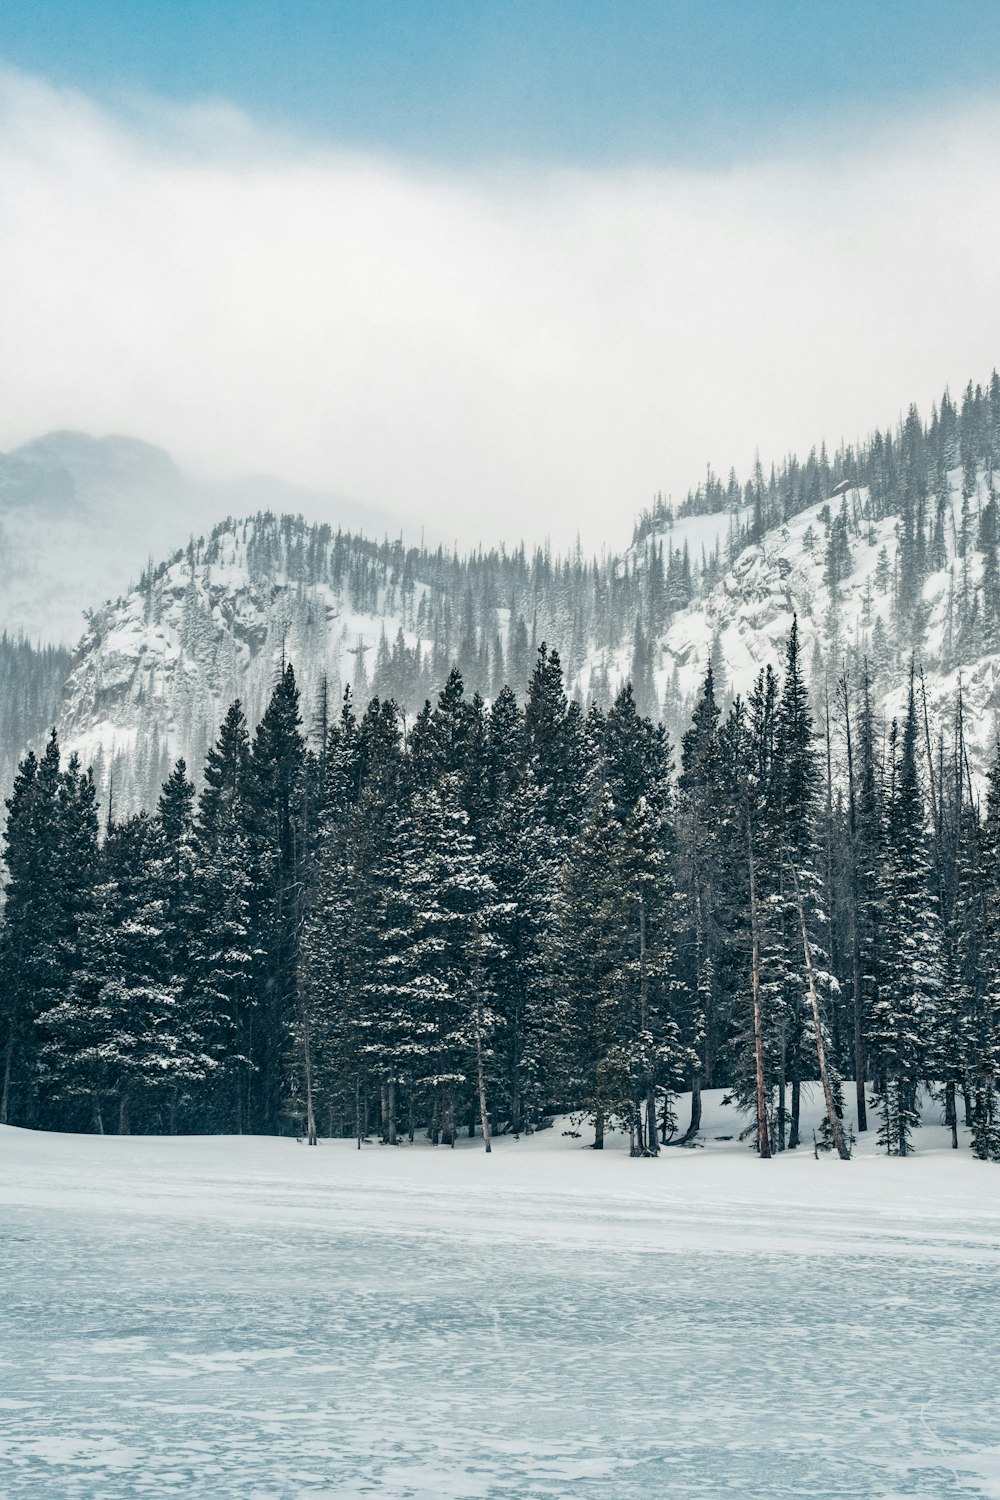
column 572, row 81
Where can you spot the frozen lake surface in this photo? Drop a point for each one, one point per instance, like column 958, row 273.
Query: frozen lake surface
column 253, row 1319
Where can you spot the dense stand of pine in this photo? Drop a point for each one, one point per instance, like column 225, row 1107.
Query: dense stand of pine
column 511, row 911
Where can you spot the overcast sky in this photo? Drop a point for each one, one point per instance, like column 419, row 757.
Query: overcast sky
column 490, row 334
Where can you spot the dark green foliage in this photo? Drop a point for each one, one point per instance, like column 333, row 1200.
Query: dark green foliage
column 512, row 913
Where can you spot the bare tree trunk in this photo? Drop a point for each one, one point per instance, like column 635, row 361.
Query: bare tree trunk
column 931, row 784
column 357, row 1110
column 123, row 1115
column 390, row 1113
column 481, row 1080
column 96, row 1118
column 248, row 1077
column 831, row 903
column 8, row 1063
column 651, row 1144
column 793, row 1129
column 516, row 1111
column 859, row 1038
column 763, row 1134
column 836, row 1132
column 694, row 1123
column 951, row 1113
column 237, row 1078
column 173, row 1111
column 652, row 1141
column 599, row 1129
column 859, row 1042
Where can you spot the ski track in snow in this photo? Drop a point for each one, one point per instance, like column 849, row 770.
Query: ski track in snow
column 251, row 1319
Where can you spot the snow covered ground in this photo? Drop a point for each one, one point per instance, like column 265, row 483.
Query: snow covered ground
column 253, row 1319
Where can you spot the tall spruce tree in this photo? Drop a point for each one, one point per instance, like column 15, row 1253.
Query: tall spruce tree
column 984, row 1041
column 280, row 835
column 225, row 942
column 905, row 1015
column 49, row 852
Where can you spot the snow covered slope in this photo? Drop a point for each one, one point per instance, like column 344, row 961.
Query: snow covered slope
column 743, row 621
column 154, row 672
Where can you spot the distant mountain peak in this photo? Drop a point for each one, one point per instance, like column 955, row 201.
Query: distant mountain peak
column 115, row 454
column 81, row 516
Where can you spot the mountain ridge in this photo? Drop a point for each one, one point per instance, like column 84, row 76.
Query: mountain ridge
column 886, row 552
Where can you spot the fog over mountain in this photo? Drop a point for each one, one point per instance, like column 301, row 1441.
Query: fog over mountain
column 501, row 349
column 81, row 517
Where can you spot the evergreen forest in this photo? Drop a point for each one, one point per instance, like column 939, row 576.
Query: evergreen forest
column 513, row 912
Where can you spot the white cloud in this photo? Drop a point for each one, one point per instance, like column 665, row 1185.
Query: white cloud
column 495, row 353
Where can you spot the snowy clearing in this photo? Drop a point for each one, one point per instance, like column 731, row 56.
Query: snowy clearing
column 246, row 1317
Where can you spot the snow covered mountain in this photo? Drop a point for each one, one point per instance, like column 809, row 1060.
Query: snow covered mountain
column 155, row 672
column 887, row 555
column 743, row 621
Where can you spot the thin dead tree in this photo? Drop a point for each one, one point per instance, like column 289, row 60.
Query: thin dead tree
column 836, row 1131
column 481, row 1078
column 856, row 977
column 763, row 1131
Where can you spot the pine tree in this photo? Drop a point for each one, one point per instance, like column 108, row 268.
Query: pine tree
column 76, row 863
column 524, row 860
column 280, row 836
column 554, row 740
column 428, row 1017
column 176, row 825
column 809, row 985
column 36, row 958
column 365, row 884
column 905, row 1014
column 701, row 827
column 327, row 1023
column 649, row 905
column 866, row 853
column 760, row 1062
column 591, row 964
column 225, row 944
column 984, row 1041
column 139, row 1047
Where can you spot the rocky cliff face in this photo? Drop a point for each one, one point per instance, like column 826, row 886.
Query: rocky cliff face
column 154, row 673
column 844, row 595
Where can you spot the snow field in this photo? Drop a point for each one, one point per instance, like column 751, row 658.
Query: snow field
column 250, row 1318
